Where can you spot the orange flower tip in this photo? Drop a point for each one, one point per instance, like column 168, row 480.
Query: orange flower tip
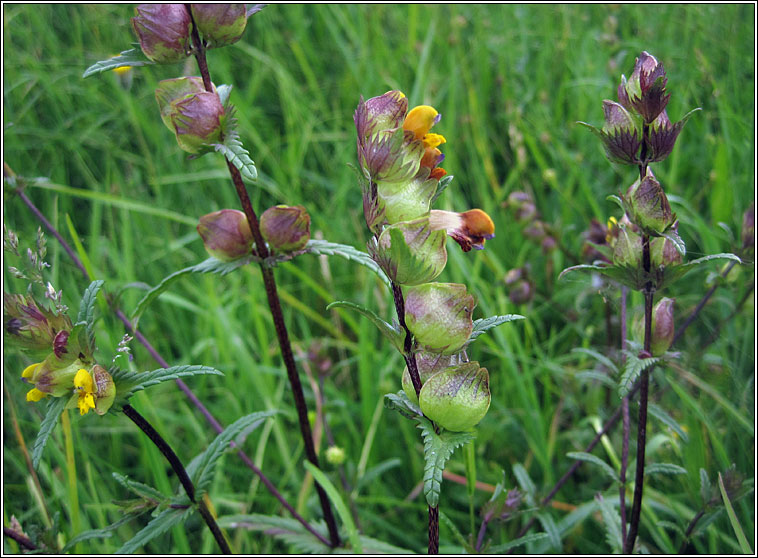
column 420, row 120
column 437, row 173
column 469, row 229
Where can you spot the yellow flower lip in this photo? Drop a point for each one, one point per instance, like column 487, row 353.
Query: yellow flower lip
column 35, row 395
column 85, row 385
column 420, row 120
column 28, row 372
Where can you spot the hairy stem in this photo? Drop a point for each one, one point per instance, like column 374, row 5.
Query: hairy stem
column 181, row 473
column 408, row 355
column 22, row 541
column 690, row 528
column 274, row 304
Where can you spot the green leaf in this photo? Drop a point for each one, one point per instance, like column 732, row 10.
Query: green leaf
column 393, row 333
column 744, row 545
column 103, row 533
column 374, row 546
column 441, row 186
column 485, row 324
column 237, row 155
column 127, row 383
column 604, row 379
column 211, row 265
column 87, row 311
column 612, row 524
column 525, row 482
column 132, row 57
column 54, row 409
column 632, row 370
column 339, row 505
column 666, row 419
column 589, row 458
column 676, row 240
column 224, row 91
column 548, row 524
column 326, row 248
column 705, row 487
column 399, row 402
column 502, row 548
column 377, row 471
column 157, row 526
column 284, row 529
column 604, row 360
column 672, row 526
column 140, row 489
column 665, row 469
column 437, row 450
column 203, row 468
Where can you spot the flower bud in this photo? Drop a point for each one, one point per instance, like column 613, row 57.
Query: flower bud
column 226, row 234
column 664, row 253
column 458, row 397
column 627, row 250
column 621, row 135
column 523, row 206
column 191, row 112
column 439, row 316
column 661, row 329
column 105, row 389
column 335, row 455
column 286, row 228
column 34, row 329
column 219, row 24
column 411, row 253
column 645, row 91
column 648, row 207
column 428, row 364
column 163, row 31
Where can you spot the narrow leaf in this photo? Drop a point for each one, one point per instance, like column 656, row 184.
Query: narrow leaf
column 525, row 482
column 127, row 383
column 339, row 504
column 441, row 187
column 140, row 489
column 399, row 402
column 157, row 526
column 103, row 533
column 589, row 458
column 485, row 324
column 87, row 310
column 211, row 265
column 632, row 370
column 238, row 156
column 437, row 450
column 608, row 363
column 502, row 548
column 612, row 524
column 392, row 333
column 595, row 375
column 224, row 91
column 132, row 57
column 676, row 240
column 285, row 529
column 666, row 419
column 744, row 545
column 54, row 409
column 202, row 473
column 326, row 248
column 705, row 487
column 548, row 523
column 665, row 469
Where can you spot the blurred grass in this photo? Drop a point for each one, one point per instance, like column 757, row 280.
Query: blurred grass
column 510, row 81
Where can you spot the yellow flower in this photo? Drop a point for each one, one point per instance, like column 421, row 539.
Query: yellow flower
column 28, row 372
column 35, row 395
column 85, row 385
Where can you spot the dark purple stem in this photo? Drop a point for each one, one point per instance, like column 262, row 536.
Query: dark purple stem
column 624, row 422
column 274, row 305
column 410, row 358
column 434, row 530
column 22, row 541
column 181, row 473
column 482, row 530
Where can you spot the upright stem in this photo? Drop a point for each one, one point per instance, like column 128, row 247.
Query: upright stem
column 639, row 478
column 434, row 530
column 410, row 361
column 181, row 473
column 274, row 304
column 624, row 422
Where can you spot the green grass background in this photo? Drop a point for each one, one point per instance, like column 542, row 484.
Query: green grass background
column 510, row 81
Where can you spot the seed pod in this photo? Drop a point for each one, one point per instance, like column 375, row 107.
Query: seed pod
column 458, row 397
column 439, row 316
column 286, row 228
